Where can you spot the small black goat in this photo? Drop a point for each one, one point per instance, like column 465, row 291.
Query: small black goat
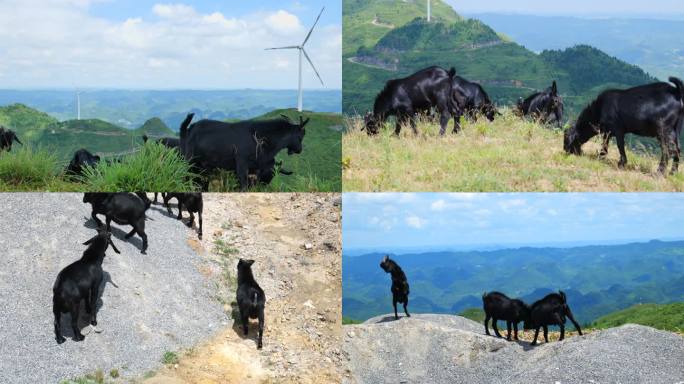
column 123, row 209
column 250, row 298
column 551, row 310
column 78, row 281
column 400, row 286
column 192, row 201
column 498, row 306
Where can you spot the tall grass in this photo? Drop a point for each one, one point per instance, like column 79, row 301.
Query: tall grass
column 26, row 169
column 153, row 168
column 509, row 154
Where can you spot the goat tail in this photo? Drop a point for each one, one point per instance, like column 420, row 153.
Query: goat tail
column 145, row 138
column 563, row 297
column 186, row 123
column 452, row 72
column 680, row 86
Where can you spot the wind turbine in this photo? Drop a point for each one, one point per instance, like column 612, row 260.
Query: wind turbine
column 428, row 11
column 302, row 51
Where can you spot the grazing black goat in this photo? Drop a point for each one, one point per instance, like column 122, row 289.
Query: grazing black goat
column 250, row 298
column 7, row 136
column 400, row 286
column 122, row 208
column 546, row 106
column 652, row 110
column 192, row 202
column 426, row 89
column 498, row 306
column 79, row 281
column 81, row 159
column 551, row 310
column 472, row 99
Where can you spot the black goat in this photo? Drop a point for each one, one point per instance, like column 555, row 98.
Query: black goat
column 81, row 159
column 400, row 286
column 7, row 136
column 79, row 281
column 170, row 142
column 192, row 202
column 546, row 106
column 122, row 208
column 652, row 110
column 498, row 306
column 551, row 310
column 428, row 88
column 250, row 298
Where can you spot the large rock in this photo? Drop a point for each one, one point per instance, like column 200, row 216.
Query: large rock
column 452, row 349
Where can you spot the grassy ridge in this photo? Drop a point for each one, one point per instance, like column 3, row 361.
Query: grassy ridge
column 509, row 154
column 669, row 317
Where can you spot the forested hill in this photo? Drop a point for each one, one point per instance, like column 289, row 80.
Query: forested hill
column 387, row 39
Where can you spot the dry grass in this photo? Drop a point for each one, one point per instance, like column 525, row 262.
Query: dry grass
column 509, row 154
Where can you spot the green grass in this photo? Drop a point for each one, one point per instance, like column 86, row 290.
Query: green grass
column 509, row 154
column 669, row 317
column 348, row 320
column 169, row 358
column 474, row 314
column 153, row 168
column 28, row 169
column 97, row 377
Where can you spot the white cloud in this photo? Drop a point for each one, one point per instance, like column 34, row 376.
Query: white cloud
column 438, row 205
column 415, row 222
column 60, row 43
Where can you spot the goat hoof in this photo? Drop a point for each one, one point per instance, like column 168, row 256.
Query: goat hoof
column 143, row 252
column 60, row 339
column 200, row 236
column 259, row 346
column 79, row 337
column 93, row 323
column 189, row 224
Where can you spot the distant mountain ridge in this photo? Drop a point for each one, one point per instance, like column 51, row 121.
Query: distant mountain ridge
column 598, row 279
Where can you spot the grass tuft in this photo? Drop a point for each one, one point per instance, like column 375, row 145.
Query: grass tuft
column 169, row 358
column 154, row 168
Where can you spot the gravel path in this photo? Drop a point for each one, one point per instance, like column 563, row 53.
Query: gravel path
column 154, row 303
column 451, row 349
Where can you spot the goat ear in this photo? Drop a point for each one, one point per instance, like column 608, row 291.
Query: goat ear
column 89, row 241
column 286, row 118
column 554, row 88
column 452, row 72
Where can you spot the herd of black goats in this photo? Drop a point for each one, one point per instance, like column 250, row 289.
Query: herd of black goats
column 652, row 110
column 246, row 147
column 551, row 310
column 81, row 280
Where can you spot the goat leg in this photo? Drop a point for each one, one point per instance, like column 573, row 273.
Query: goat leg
column 546, row 334
column 58, row 326
column 515, row 329
column 508, row 328
column 536, row 334
column 261, row 328
column 191, row 221
column 130, row 234
column 394, row 304
column 74, row 321
column 486, row 325
column 496, row 329
column 200, row 225
column 405, row 308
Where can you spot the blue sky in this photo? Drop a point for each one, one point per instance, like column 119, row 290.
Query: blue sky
column 572, row 8
column 389, row 220
column 177, row 44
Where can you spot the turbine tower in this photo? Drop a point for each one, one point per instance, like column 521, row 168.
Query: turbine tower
column 303, row 52
column 428, row 11
column 78, row 105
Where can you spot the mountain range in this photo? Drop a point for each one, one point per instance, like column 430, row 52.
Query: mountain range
column 597, row 279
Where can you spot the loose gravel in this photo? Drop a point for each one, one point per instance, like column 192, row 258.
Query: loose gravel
column 151, row 304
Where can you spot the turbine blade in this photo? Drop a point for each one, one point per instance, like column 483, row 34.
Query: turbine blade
column 312, row 66
column 312, row 27
column 288, row 47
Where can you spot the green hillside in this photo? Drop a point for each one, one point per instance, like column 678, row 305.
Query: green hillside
column 317, row 168
column 506, row 70
column 669, row 317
